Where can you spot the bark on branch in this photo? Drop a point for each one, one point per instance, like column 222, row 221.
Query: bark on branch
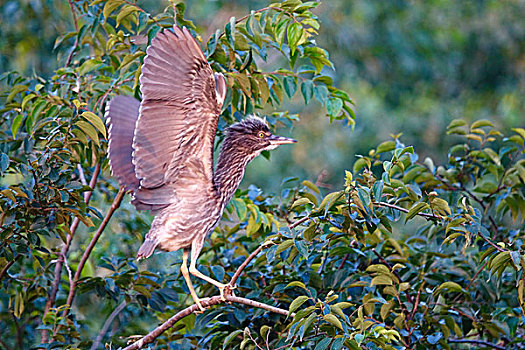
column 89, row 249
column 206, row 302
column 65, row 248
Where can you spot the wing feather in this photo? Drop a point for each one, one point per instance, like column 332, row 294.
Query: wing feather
column 178, row 117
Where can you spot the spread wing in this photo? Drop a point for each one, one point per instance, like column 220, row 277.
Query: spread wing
column 181, row 101
column 121, row 116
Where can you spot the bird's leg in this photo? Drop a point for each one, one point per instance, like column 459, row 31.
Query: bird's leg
column 185, row 273
column 224, row 289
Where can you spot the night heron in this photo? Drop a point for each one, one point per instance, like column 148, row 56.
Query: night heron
column 161, row 149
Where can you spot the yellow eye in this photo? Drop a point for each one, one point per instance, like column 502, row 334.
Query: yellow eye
column 261, row 134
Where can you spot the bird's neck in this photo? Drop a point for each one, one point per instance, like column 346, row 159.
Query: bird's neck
column 230, row 170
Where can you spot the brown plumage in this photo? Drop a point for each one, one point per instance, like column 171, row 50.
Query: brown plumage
column 161, row 149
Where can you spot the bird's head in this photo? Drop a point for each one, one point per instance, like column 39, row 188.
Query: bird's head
column 253, row 136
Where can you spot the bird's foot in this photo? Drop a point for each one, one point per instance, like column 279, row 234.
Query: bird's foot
column 227, row 290
column 199, row 306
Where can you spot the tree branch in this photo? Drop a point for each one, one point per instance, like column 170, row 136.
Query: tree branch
column 393, row 206
column 65, row 248
column 475, row 341
column 75, row 22
column 107, row 324
column 8, row 265
column 298, row 222
column 246, row 262
column 383, row 260
column 206, row 302
column 89, row 249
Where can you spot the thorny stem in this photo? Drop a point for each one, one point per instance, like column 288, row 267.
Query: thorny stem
column 206, row 302
column 89, row 249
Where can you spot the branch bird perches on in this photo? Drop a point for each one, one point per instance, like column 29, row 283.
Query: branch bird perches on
column 161, row 149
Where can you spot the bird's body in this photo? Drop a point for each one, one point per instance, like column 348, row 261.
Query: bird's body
column 161, row 149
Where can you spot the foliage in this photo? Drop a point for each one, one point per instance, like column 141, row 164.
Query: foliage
column 406, row 254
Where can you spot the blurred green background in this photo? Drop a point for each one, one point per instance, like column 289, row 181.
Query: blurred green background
column 410, row 66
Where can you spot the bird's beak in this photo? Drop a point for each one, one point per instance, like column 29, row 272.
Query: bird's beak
column 280, row 140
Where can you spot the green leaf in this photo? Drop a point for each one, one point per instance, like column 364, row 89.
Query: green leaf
column 295, row 284
column 441, row 206
column 334, row 106
column 331, row 318
column 240, row 208
column 229, row 338
column 294, row 34
column 300, row 202
column 450, row 286
column 481, row 123
column 124, row 12
column 456, row 123
column 379, row 268
column 19, row 304
column 88, row 66
column 290, row 86
column 111, row 6
column 88, row 130
column 520, row 131
column 311, row 186
column 95, row 121
column 15, row 90
column 416, row 209
column 323, row 344
column 321, row 93
column 381, row 280
column 17, row 121
column 307, row 89
column 386, row 308
column 297, row 303
column 386, row 146
column 264, row 331
column 329, row 200
column 283, row 246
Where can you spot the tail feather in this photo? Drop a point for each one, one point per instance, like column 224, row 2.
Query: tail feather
column 147, row 248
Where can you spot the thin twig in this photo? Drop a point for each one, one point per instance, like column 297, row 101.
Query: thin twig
column 383, row 260
column 65, row 248
column 497, row 247
column 262, row 10
column 8, row 265
column 416, row 303
column 89, row 249
column 298, row 222
column 393, row 206
column 472, row 279
column 246, row 262
column 206, row 302
column 107, row 324
column 143, row 11
column 475, row 341
column 4, row 345
column 81, row 175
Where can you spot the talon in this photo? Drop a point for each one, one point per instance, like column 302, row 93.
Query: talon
column 199, row 305
column 227, row 290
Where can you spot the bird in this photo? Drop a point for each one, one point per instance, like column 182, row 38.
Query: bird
column 161, row 149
